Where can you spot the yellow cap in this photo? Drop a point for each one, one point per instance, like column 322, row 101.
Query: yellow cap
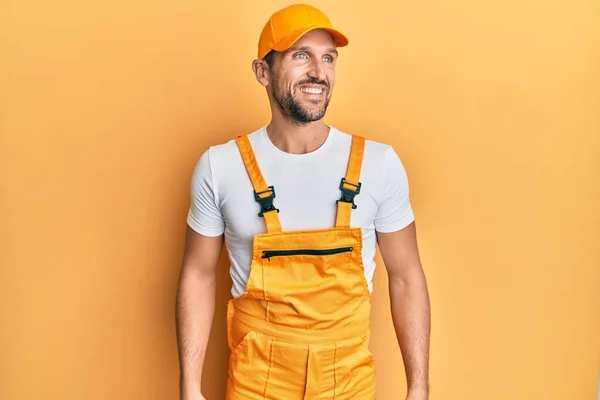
column 289, row 24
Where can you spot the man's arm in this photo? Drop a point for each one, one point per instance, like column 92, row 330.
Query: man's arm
column 195, row 308
column 410, row 306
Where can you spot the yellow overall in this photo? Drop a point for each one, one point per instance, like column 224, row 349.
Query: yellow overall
column 301, row 328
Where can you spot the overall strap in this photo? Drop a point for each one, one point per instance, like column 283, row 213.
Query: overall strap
column 350, row 185
column 263, row 194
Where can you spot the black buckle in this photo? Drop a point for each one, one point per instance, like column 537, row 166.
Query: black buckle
column 266, row 203
column 347, row 194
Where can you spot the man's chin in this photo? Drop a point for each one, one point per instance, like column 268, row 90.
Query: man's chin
column 314, row 117
column 306, row 113
column 314, row 113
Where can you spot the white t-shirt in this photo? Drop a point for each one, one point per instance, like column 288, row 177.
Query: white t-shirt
column 306, row 187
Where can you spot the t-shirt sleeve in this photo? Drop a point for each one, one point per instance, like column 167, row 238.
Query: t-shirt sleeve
column 204, row 214
column 394, row 211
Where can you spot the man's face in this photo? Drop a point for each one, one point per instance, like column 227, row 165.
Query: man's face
column 302, row 78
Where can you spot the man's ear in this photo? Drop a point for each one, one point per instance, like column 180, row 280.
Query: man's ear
column 261, row 72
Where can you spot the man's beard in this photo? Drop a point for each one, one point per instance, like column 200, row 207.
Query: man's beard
column 293, row 110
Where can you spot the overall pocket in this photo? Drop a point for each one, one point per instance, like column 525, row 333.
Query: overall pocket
column 309, row 288
column 249, row 367
column 355, row 369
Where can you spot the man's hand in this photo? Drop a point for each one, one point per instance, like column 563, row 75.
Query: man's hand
column 418, row 395
column 190, row 392
column 193, row 396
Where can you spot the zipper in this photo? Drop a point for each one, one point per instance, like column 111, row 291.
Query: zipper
column 305, row 252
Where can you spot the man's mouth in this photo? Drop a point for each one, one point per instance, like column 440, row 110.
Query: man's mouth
column 311, row 90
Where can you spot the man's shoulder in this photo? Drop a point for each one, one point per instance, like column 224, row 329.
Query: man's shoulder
column 374, row 149
column 228, row 151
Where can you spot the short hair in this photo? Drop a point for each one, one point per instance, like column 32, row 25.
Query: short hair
column 269, row 58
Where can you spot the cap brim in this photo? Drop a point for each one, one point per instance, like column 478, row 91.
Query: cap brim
column 339, row 37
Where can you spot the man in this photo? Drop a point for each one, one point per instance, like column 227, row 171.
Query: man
column 301, row 207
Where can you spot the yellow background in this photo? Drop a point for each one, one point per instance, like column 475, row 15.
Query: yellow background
column 494, row 107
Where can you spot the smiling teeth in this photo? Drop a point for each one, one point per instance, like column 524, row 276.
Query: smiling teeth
column 313, row 91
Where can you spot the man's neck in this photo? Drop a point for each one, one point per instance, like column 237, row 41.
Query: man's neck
column 297, row 139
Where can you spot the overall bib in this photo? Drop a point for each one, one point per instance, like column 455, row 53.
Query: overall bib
column 300, row 331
